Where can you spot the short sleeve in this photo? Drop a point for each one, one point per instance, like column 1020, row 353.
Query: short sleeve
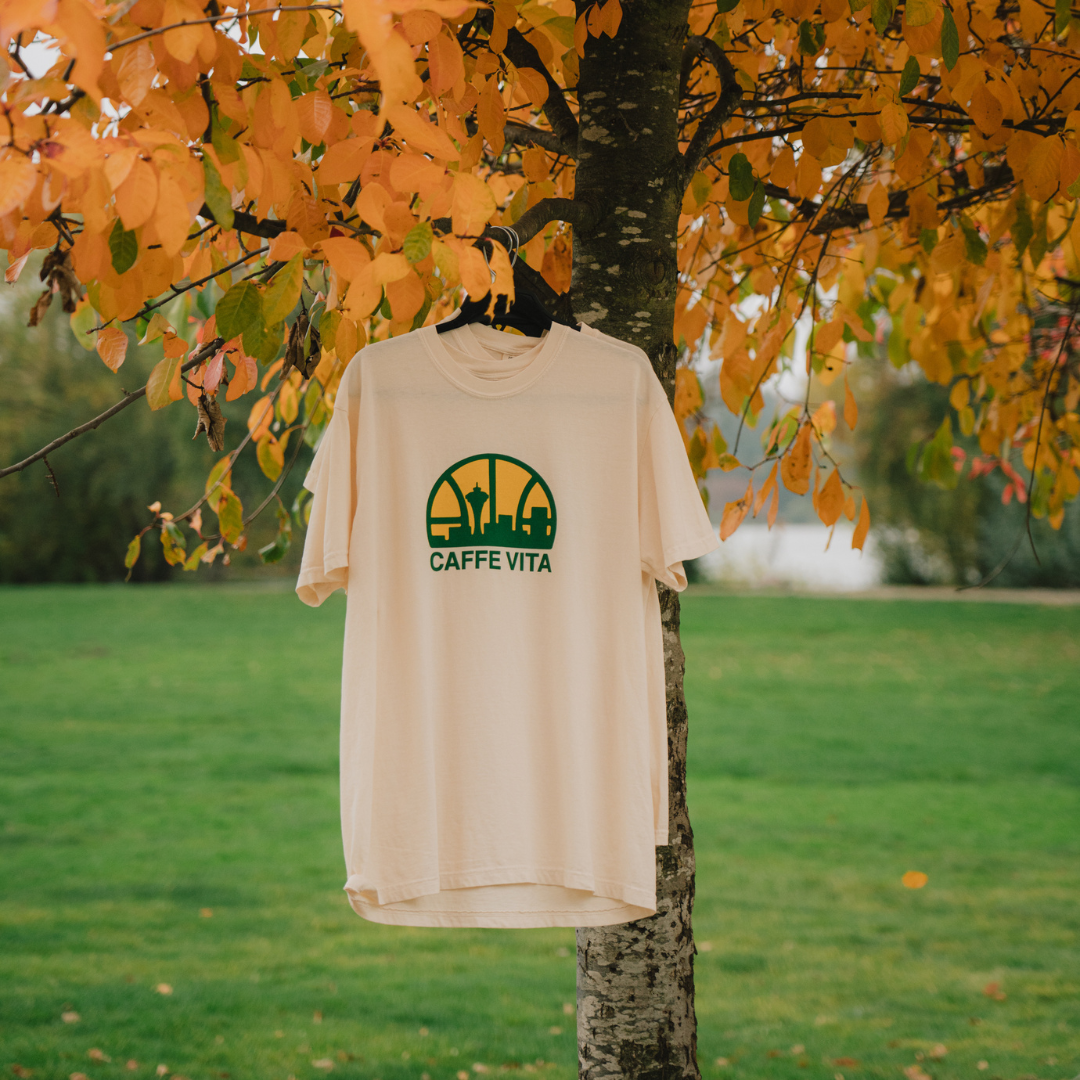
column 332, row 482
column 672, row 519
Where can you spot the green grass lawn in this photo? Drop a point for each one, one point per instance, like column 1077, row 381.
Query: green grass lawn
column 169, row 819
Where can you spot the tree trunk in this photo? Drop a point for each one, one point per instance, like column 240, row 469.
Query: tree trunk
column 636, row 980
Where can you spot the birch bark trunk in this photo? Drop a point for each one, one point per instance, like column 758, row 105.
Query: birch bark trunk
column 635, row 981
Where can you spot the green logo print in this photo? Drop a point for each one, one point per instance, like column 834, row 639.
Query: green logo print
column 491, row 500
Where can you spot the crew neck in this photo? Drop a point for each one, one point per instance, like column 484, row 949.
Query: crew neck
column 543, row 350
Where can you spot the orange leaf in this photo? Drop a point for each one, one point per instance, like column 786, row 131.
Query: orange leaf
column 245, row 378
column 914, row 879
column 783, row 168
column 830, row 503
column 342, row 162
column 863, row 526
column 347, row 256
column 406, row 296
column 472, row 204
column 735, row 512
column 851, row 407
column 534, row 84
column 135, row 72
column 774, row 506
column 112, row 346
column 795, row 464
column 137, row 196
column 421, row 134
column 260, row 418
column 1043, row 172
column 475, row 275
column 446, row 66
column 763, row 494
column 491, row 115
column 17, row 180
column 877, row 205
column 171, row 219
column 894, row 123
column 285, row 245
column 824, row 418
column 314, row 112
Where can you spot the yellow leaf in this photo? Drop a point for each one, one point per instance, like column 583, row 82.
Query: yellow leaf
column 284, row 291
column 825, row 337
column 491, row 115
column 17, row 180
column 915, row 879
column 877, row 204
column 161, row 387
column 763, row 494
column 534, row 84
column 862, row 528
column 830, row 502
column 795, row 465
column 342, row 162
column 1043, row 172
column 389, row 266
column 171, row 218
column 920, row 12
column 371, row 205
column 314, row 112
column 182, row 42
column 986, row 110
column 472, row 204
column 894, row 123
column 783, row 168
column 851, row 407
column 112, row 346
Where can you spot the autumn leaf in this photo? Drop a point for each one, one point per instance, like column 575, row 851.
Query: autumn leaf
column 239, row 309
column 795, row 464
column 283, row 293
column 112, row 344
column 858, row 538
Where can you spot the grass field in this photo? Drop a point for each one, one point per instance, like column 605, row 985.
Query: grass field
column 168, row 819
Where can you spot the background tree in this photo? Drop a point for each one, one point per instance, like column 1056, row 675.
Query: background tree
column 261, row 189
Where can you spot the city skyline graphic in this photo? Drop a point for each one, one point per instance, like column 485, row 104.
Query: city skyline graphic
column 491, row 500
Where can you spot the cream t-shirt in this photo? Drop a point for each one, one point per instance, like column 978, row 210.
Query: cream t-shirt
column 497, row 508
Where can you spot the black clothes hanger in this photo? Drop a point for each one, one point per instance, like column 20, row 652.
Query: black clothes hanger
column 527, row 313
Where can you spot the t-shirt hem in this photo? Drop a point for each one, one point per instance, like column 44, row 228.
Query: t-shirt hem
column 679, row 552
column 498, row 920
column 316, row 583
column 505, row 875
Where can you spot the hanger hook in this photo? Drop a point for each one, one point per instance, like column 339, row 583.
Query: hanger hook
column 514, row 244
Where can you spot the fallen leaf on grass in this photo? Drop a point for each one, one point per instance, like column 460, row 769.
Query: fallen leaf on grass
column 323, row 1063
column 70, row 1017
column 94, row 1054
column 569, row 1008
column 132, row 1065
column 162, row 1070
column 939, row 1051
column 846, row 1062
column 21, row 1070
column 915, row 1072
column 163, row 988
column 993, row 990
column 317, row 1017
column 78, row 1076
column 982, row 1065
column 798, row 1048
column 914, row 879
column 206, row 913
column 722, row 1062
column 462, row 1075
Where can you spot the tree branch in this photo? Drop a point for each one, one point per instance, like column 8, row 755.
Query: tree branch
column 581, row 213
column 123, row 403
column 522, row 54
column 517, row 132
column 730, row 96
column 248, row 223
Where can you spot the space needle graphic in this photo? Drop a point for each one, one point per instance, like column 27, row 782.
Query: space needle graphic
column 530, row 524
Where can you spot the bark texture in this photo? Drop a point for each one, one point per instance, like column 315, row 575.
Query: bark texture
column 636, row 980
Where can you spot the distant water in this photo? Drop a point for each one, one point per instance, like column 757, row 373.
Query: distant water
column 794, row 556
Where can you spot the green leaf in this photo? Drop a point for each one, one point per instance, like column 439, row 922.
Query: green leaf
column 857, row 5
column 264, row 342
column 230, row 513
column 757, row 204
column 928, row 238
column 881, row 12
column 83, row 319
column 910, row 76
column 238, row 310
column 740, row 178
column 217, row 196
column 417, row 243
column 936, row 465
column 807, row 44
column 284, row 291
column 276, row 551
column 1039, row 240
column 124, row 248
column 724, row 6
column 161, row 378
column 950, row 40
column 1062, row 14
column 227, row 149
column 133, row 549
column 1023, row 228
column 974, row 244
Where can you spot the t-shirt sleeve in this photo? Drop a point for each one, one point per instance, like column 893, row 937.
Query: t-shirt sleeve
column 332, row 482
column 673, row 522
